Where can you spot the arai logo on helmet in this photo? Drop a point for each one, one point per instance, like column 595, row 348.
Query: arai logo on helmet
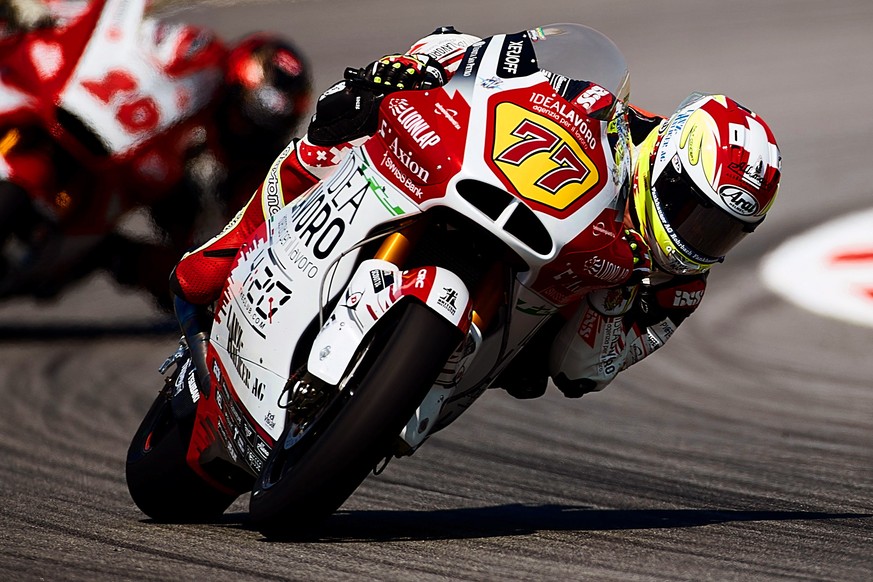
column 739, row 200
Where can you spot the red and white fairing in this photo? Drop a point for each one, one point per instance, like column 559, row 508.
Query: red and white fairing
column 498, row 145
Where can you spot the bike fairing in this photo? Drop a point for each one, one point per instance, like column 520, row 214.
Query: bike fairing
column 316, row 219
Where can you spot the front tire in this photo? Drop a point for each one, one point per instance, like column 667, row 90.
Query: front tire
column 302, row 485
column 159, row 479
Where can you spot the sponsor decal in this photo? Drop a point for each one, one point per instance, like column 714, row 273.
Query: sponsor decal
column 405, row 158
column 192, row 387
column 588, row 326
column 254, row 462
column 739, row 200
column 180, row 379
column 539, row 158
column 536, row 310
column 559, row 83
column 352, row 299
column 261, row 447
column 240, row 436
column 300, row 261
column 599, row 229
column 381, row 279
column 472, row 61
column 447, row 301
column 449, row 114
column 517, row 58
column 512, row 57
column 751, row 174
column 273, row 198
column 234, row 345
column 613, row 301
column 413, row 122
column 662, row 331
column 321, row 219
column 228, row 442
column 605, row 270
column 687, row 298
column 595, row 98
column 491, row 82
column 264, row 295
column 269, row 420
column 568, row 116
column 401, row 177
column 670, row 130
column 536, row 34
column 379, row 190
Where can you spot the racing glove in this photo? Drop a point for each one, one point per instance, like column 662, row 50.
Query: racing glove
column 398, row 72
column 345, row 112
column 350, row 109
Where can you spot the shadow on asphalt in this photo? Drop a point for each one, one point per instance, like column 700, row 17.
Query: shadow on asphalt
column 518, row 519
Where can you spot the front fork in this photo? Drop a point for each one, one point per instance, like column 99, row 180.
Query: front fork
column 487, row 299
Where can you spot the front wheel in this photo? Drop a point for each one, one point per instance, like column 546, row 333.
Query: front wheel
column 305, row 479
column 159, row 479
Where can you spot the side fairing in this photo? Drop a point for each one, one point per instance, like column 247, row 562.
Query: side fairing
column 273, row 291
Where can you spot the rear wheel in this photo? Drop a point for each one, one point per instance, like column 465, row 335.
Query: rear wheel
column 317, row 464
column 159, row 479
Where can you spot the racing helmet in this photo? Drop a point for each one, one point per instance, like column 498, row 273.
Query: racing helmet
column 269, row 90
column 704, row 180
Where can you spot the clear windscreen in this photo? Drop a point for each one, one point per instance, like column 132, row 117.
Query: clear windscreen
column 580, row 52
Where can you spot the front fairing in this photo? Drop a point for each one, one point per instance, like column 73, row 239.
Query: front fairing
column 502, row 124
column 293, row 266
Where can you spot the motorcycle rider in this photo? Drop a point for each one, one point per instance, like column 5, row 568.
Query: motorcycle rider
column 702, row 179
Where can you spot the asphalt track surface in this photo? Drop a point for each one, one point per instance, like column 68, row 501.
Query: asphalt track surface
column 742, row 451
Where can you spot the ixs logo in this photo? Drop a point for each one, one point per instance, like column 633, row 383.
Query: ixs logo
column 539, row 158
column 687, row 298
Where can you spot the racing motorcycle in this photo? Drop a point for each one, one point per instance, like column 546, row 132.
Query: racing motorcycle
column 373, row 310
column 97, row 113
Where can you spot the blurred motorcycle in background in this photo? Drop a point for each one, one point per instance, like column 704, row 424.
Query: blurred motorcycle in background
column 105, row 112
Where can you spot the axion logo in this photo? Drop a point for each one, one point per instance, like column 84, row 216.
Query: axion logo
column 739, row 200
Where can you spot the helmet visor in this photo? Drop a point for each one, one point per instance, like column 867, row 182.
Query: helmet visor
column 701, row 230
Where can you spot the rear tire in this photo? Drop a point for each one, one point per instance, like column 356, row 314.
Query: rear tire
column 301, row 486
column 159, row 479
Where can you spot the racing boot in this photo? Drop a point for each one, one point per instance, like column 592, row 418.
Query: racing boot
column 196, row 323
